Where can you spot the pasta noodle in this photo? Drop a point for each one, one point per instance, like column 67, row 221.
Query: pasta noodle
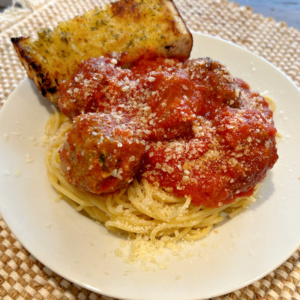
column 139, row 210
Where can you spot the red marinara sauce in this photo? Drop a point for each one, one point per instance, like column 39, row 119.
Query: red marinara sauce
column 192, row 129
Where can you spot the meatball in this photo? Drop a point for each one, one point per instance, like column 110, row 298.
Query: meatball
column 214, row 82
column 171, row 100
column 99, row 155
column 174, row 104
column 97, row 86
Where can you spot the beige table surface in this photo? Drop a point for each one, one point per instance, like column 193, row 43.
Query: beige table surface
column 21, row 275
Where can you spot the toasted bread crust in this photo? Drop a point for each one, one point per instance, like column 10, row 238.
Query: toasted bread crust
column 127, row 29
column 35, row 70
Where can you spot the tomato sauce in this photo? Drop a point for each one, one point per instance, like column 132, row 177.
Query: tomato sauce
column 197, row 131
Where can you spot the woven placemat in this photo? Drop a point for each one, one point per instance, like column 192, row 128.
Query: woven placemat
column 21, row 275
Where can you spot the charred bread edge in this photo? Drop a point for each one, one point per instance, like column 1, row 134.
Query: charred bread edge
column 35, row 71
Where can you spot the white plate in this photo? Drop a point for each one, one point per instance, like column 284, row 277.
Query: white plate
column 244, row 249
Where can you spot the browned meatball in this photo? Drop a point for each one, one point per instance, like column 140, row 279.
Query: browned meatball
column 99, row 155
